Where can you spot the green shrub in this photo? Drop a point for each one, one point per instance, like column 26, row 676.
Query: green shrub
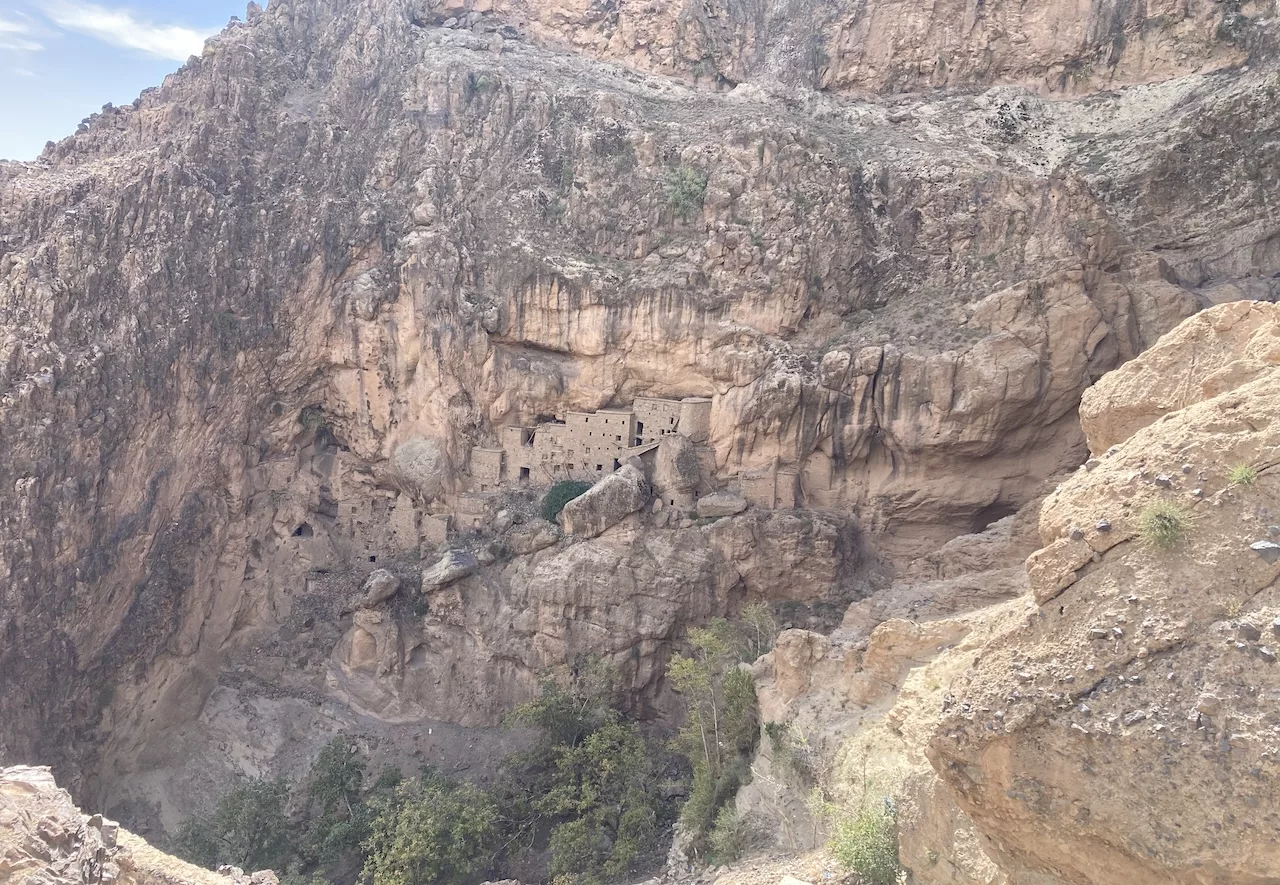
column 432, row 832
column 866, row 844
column 1163, row 524
column 248, row 829
column 730, row 837
column 591, row 775
column 686, row 190
column 313, row 417
column 561, row 494
column 337, row 811
column 722, row 726
column 1243, row 475
column 792, row 752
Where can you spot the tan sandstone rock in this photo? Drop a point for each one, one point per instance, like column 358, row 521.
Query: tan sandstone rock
column 607, row 503
column 45, row 838
column 1122, row 731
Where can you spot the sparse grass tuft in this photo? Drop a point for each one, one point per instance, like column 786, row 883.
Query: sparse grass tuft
column 1163, row 524
column 1243, row 475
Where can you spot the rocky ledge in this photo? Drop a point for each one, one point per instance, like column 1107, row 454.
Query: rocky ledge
column 46, row 840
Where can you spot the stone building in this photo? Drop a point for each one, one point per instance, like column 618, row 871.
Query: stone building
column 587, row 445
column 774, row 488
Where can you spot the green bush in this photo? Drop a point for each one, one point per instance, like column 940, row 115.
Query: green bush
column 1243, row 475
column 1163, row 524
column 313, row 417
column 561, row 494
column 866, row 844
column 591, row 775
column 686, row 190
column 431, row 832
column 792, row 752
column 338, row 816
column 722, row 727
column 730, row 837
column 248, row 829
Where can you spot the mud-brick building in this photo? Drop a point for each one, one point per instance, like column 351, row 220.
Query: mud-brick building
column 587, row 445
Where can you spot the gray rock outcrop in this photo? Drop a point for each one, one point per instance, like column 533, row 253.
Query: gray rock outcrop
column 44, row 838
column 380, row 586
column 721, row 504
column 607, row 503
column 454, row 565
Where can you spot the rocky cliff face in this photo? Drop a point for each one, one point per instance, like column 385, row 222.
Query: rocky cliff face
column 45, row 838
column 349, row 227
column 1129, row 715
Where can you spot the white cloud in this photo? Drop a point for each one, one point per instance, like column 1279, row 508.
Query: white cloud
column 120, row 28
column 23, row 72
column 18, row 44
column 12, row 27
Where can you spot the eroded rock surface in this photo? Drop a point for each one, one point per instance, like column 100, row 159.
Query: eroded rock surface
column 45, row 838
column 1125, row 730
column 853, row 712
column 893, row 45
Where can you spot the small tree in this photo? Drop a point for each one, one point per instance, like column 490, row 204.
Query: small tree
column 686, row 191
column 759, row 630
column 730, row 836
column 338, row 814
column 566, row 712
column 722, row 728
column 591, row 777
column 432, row 832
column 603, row 791
column 249, row 829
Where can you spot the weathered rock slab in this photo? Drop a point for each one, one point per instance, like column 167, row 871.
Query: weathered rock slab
column 607, row 503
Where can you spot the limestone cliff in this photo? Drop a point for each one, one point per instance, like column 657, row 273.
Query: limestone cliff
column 351, row 228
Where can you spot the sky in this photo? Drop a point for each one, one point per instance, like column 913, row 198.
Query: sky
column 62, row 60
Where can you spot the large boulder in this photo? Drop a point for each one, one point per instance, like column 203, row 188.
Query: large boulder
column 453, row 566
column 535, row 535
column 380, row 586
column 421, row 465
column 721, row 504
column 677, row 470
column 1214, row 351
column 607, row 503
column 1124, row 730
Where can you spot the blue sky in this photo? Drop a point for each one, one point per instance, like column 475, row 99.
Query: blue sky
column 62, row 60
